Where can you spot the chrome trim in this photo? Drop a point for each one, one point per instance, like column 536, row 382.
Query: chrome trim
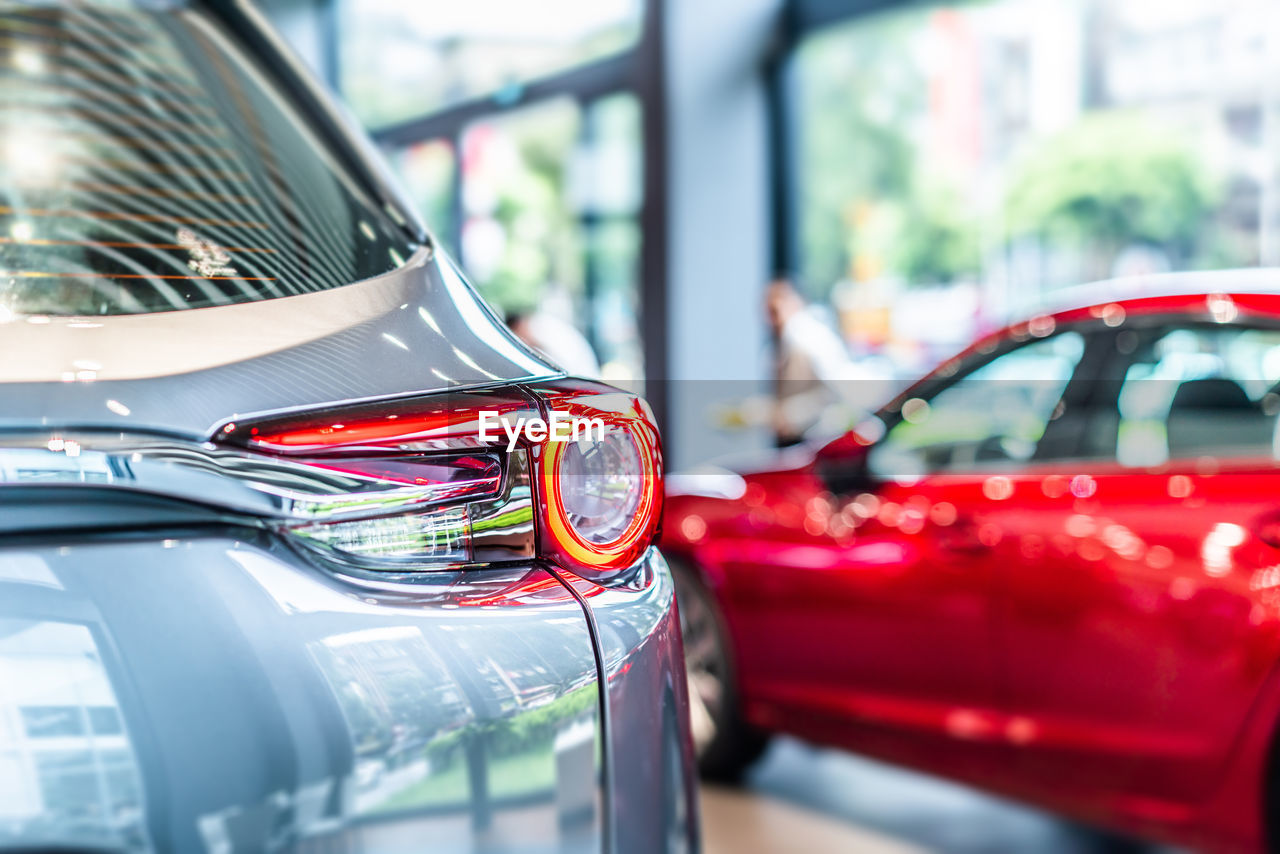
column 277, row 489
column 492, row 531
column 481, row 520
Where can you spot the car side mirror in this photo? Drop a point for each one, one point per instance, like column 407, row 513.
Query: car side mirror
column 843, row 465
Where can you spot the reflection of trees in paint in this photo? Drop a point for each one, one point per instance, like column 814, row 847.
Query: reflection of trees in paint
column 431, row 732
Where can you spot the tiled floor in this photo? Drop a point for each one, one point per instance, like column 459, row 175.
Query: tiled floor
column 801, row 798
column 745, row 822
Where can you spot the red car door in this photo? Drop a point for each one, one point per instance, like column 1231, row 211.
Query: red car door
column 866, row 615
column 1136, row 627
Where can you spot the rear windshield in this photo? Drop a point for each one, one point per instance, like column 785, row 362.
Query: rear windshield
column 147, row 164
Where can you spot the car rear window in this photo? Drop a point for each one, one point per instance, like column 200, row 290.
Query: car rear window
column 147, row 164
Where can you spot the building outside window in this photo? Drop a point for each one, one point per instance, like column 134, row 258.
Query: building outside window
column 984, row 156
column 539, row 196
column 398, row 60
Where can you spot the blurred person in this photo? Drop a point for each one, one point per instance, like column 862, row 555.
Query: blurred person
column 558, row 339
column 812, row 371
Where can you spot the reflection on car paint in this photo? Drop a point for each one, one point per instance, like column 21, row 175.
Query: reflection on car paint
column 67, row 766
column 275, row 707
column 268, row 356
column 639, row 634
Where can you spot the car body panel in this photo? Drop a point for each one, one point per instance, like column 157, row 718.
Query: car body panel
column 651, row 766
column 1103, row 645
column 1098, row 638
column 177, row 672
column 419, row 329
column 261, row 705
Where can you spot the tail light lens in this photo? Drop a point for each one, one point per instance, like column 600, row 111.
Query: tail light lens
column 589, row 499
column 601, row 496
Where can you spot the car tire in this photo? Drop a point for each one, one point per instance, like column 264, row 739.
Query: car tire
column 725, row 744
column 1271, row 797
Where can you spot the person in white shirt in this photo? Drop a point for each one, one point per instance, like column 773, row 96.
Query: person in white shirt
column 812, row 371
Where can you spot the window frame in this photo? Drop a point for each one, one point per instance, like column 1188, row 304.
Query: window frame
column 585, row 86
column 639, row 70
column 1078, row 386
column 1093, row 389
column 1155, row 327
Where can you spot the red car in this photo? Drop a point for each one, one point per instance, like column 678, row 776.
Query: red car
column 1051, row 568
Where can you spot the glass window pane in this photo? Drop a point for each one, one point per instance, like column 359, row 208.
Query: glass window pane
column 615, row 300
column 105, row 720
column 551, row 197
column 521, row 240
column 401, row 60
column 997, row 414
column 607, row 174
column 427, row 170
column 608, row 193
column 1200, row 392
column 1010, row 148
column 52, row 721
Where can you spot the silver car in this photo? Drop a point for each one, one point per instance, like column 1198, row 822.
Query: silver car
column 287, row 562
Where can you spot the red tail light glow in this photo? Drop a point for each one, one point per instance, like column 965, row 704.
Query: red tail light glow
column 591, row 502
column 602, row 497
column 438, row 422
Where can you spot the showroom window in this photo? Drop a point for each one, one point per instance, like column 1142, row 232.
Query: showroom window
column 429, row 170
column 543, row 206
column 520, row 240
column 402, row 60
column 552, row 197
column 989, row 154
column 520, row 133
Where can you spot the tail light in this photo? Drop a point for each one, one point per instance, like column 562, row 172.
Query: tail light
column 460, row 480
column 601, row 500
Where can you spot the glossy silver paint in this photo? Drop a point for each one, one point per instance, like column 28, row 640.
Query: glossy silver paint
column 418, row 329
column 179, row 674
column 264, row 706
column 652, row 749
column 210, row 693
column 309, row 501
column 169, row 603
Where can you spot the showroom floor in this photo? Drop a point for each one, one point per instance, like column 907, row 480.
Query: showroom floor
column 802, row 798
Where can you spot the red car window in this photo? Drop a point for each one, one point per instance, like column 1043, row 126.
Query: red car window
column 995, row 415
column 1200, row 391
